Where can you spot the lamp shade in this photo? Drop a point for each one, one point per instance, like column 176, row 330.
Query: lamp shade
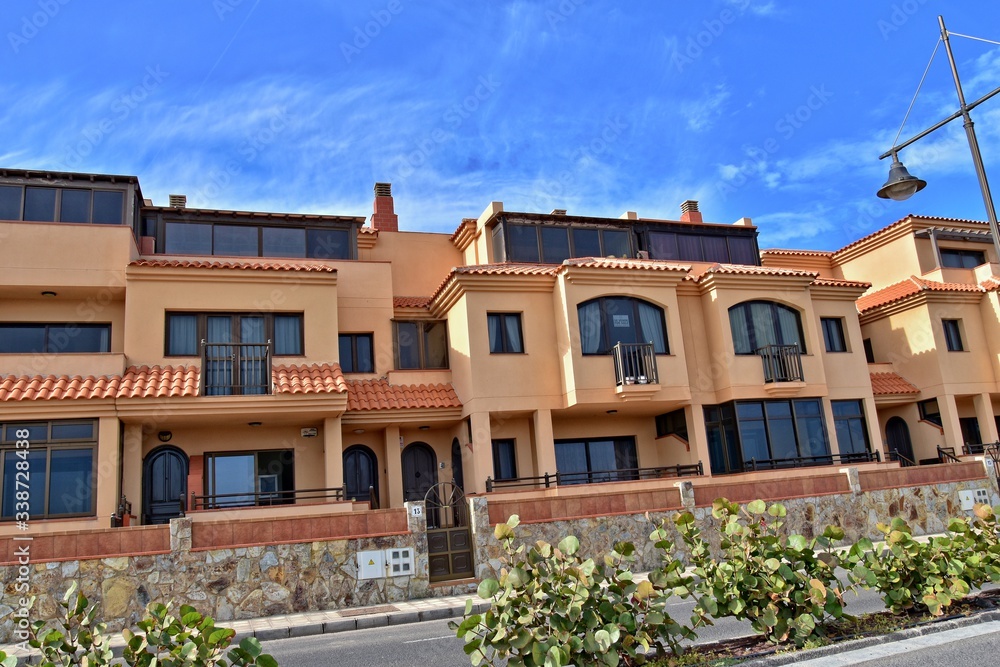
column 900, row 185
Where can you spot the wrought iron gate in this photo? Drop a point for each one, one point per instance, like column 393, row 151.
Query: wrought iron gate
column 449, row 533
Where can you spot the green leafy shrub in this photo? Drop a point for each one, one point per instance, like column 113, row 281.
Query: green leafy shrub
column 782, row 585
column 551, row 607
column 7, row 660
column 189, row 640
column 917, row 575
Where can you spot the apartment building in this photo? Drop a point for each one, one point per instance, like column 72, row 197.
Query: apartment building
column 184, row 360
column 930, row 326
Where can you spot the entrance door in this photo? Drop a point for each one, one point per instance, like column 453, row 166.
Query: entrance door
column 360, row 473
column 164, row 483
column 457, row 474
column 898, row 435
column 419, row 471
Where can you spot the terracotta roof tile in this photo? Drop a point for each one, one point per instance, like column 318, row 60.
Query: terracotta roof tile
column 225, row 264
column 411, row 301
column 159, row 382
column 466, row 222
column 899, row 222
column 508, row 269
column 891, row 383
column 612, row 263
column 746, row 270
column 57, row 387
column 907, row 288
column 990, row 285
column 803, row 253
column 368, row 230
column 380, row 395
column 835, row 282
column 308, row 379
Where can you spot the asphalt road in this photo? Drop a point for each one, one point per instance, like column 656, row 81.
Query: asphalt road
column 970, row 651
column 432, row 644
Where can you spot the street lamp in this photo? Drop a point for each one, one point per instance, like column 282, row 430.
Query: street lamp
column 901, row 185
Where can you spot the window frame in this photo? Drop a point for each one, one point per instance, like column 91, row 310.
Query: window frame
column 617, row 474
column 775, row 306
column 509, row 444
column 8, row 447
column 667, row 424
column 606, row 346
column 57, row 206
column 971, row 433
column 953, row 339
column 209, row 483
column 928, row 416
column 505, row 343
column 47, row 335
column 422, row 342
column 826, row 323
column 571, row 243
column 310, row 249
column 848, row 419
column 354, row 350
column 962, row 254
column 201, row 332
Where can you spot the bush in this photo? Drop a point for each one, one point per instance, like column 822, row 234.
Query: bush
column 189, row 639
column 783, row 586
column 551, row 607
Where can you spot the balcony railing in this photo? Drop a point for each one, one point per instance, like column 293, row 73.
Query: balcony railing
column 258, row 498
column 229, row 369
column 904, row 462
column 594, row 477
column 754, row 465
column 782, row 363
column 635, row 363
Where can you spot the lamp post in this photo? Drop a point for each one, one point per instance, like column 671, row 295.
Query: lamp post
column 901, row 185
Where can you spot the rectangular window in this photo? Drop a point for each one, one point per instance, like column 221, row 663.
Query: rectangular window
column 769, row 432
column 235, row 241
column 185, row 331
column 555, row 244
column 283, row 242
column 929, row 411
column 188, row 239
column 504, row 459
column 57, row 469
column 10, row 202
column 663, row 245
column 108, row 207
column 40, row 204
column 953, row 335
column 616, row 243
column 672, row 423
column 523, row 243
column 869, row 352
column 357, row 354
column 850, row 426
column 240, row 479
column 833, row 334
column 328, row 243
column 596, row 460
column 961, row 259
column 75, row 206
column 970, row 431
column 586, row 243
column 421, row 344
column 505, row 333
column 54, row 338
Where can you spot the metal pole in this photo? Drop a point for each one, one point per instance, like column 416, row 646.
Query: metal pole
column 977, row 157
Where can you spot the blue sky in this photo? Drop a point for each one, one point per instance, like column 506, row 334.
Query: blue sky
column 767, row 109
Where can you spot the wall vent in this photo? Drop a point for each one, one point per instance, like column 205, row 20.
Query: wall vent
column 178, row 201
column 383, row 189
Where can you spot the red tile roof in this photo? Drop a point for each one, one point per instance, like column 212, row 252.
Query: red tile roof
column 57, row 387
column 804, row 253
column 891, row 383
column 411, row 301
column 159, row 382
column 368, row 230
column 226, row 264
column 508, row 269
column 907, row 288
column 899, row 222
column 746, row 270
column 308, row 379
column 835, row 282
column 380, row 395
column 613, row 263
column 990, row 285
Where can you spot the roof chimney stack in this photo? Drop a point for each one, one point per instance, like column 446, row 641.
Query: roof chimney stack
column 690, row 212
column 178, row 201
column 383, row 217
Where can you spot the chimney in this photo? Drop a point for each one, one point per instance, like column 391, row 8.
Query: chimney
column 690, row 212
column 178, row 201
column 383, row 217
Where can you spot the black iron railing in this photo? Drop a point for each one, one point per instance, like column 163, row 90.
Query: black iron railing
column 594, row 477
column 947, row 455
column 782, row 363
column 229, row 369
column 259, row 498
column 808, row 461
column 903, row 461
column 372, row 498
column 980, row 448
column 635, row 363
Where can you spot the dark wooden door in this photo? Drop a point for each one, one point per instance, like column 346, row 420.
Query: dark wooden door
column 898, row 435
column 360, row 473
column 164, row 483
column 419, row 471
column 457, row 474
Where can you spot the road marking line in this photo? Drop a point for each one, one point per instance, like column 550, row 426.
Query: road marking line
column 429, row 639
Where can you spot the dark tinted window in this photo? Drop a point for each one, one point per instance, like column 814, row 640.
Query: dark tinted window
column 962, row 259
column 555, row 244
column 504, row 459
column 741, row 251
column 108, row 207
column 282, row 242
column 663, row 245
column 75, row 206
column 586, row 243
column 40, row 204
column 10, row 202
column 328, row 243
column 54, row 338
column 357, row 353
column 523, row 243
column 616, row 243
column 715, row 248
column 234, row 241
column 833, row 334
column 188, row 239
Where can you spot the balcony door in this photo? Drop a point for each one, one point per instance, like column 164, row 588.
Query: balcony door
column 236, row 355
column 164, row 483
column 360, row 473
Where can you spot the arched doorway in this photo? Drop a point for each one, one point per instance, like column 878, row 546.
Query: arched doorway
column 360, row 473
column 419, row 471
column 457, row 474
column 164, row 483
column 897, row 434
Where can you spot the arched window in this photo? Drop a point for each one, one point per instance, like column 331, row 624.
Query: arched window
column 759, row 323
column 620, row 319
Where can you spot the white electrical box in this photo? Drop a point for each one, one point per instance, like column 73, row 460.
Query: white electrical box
column 971, row 497
column 399, row 562
column 371, row 564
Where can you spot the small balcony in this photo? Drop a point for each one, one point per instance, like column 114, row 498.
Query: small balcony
column 635, row 364
column 782, row 363
column 235, row 369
